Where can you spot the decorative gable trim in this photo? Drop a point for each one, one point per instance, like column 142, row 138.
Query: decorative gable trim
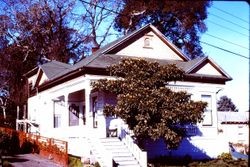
column 208, row 69
column 130, row 38
column 206, row 61
column 38, row 78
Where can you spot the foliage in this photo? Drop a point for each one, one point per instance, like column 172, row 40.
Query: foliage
column 220, row 162
column 145, row 103
column 167, row 161
column 40, row 28
column 35, row 31
column 97, row 164
column 74, row 161
column 225, row 156
column 9, row 144
column 224, row 160
column 6, row 164
column 4, row 140
column 226, row 104
column 180, row 21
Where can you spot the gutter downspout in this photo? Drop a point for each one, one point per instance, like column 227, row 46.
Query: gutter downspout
column 216, row 93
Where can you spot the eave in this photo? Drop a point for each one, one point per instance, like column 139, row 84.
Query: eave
column 69, row 76
column 206, row 78
column 103, row 72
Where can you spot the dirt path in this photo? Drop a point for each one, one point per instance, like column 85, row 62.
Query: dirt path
column 29, row 160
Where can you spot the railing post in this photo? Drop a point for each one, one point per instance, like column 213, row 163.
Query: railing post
column 140, row 155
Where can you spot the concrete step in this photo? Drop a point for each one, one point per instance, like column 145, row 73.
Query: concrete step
column 118, row 143
column 122, row 154
column 110, row 139
column 123, row 158
column 128, row 163
column 116, row 147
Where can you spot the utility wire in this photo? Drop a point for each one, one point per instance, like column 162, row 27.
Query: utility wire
column 228, row 28
column 101, row 7
column 226, row 41
column 217, row 47
column 228, row 21
column 231, row 14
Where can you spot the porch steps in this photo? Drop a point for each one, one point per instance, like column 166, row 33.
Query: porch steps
column 121, row 154
column 97, row 154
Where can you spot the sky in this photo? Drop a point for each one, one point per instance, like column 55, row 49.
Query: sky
column 228, row 28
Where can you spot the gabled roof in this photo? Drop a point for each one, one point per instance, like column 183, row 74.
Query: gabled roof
column 54, row 69
column 120, row 43
column 57, row 72
column 187, row 66
column 200, row 62
column 49, row 71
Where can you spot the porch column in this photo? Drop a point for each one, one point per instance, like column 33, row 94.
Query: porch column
column 66, row 97
column 87, row 103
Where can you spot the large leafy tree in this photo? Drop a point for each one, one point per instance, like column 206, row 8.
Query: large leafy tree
column 40, row 29
column 226, row 104
column 146, row 104
column 35, row 31
column 180, row 21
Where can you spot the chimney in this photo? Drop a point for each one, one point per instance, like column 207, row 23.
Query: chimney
column 95, row 48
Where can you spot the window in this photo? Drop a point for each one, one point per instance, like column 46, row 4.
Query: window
column 148, row 41
column 57, row 121
column 73, row 115
column 58, row 107
column 207, row 119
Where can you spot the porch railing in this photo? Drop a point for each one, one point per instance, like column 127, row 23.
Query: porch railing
column 57, row 150
column 141, row 156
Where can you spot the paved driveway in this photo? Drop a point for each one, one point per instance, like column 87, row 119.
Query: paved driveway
column 29, row 160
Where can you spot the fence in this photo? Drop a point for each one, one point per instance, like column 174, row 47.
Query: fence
column 56, row 150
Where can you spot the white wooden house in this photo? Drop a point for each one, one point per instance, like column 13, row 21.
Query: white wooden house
column 64, row 106
column 234, row 126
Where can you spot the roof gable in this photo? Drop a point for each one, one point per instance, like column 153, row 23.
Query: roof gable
column 54, row 69
column 208, row 69
column 40, row 78
column 122, row 45
column 149, row 45
column 49, row 71
column 134, row 43
column 206, row 66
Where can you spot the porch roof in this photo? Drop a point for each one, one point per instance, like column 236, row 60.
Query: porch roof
column 58, row 72
column 187, row 66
